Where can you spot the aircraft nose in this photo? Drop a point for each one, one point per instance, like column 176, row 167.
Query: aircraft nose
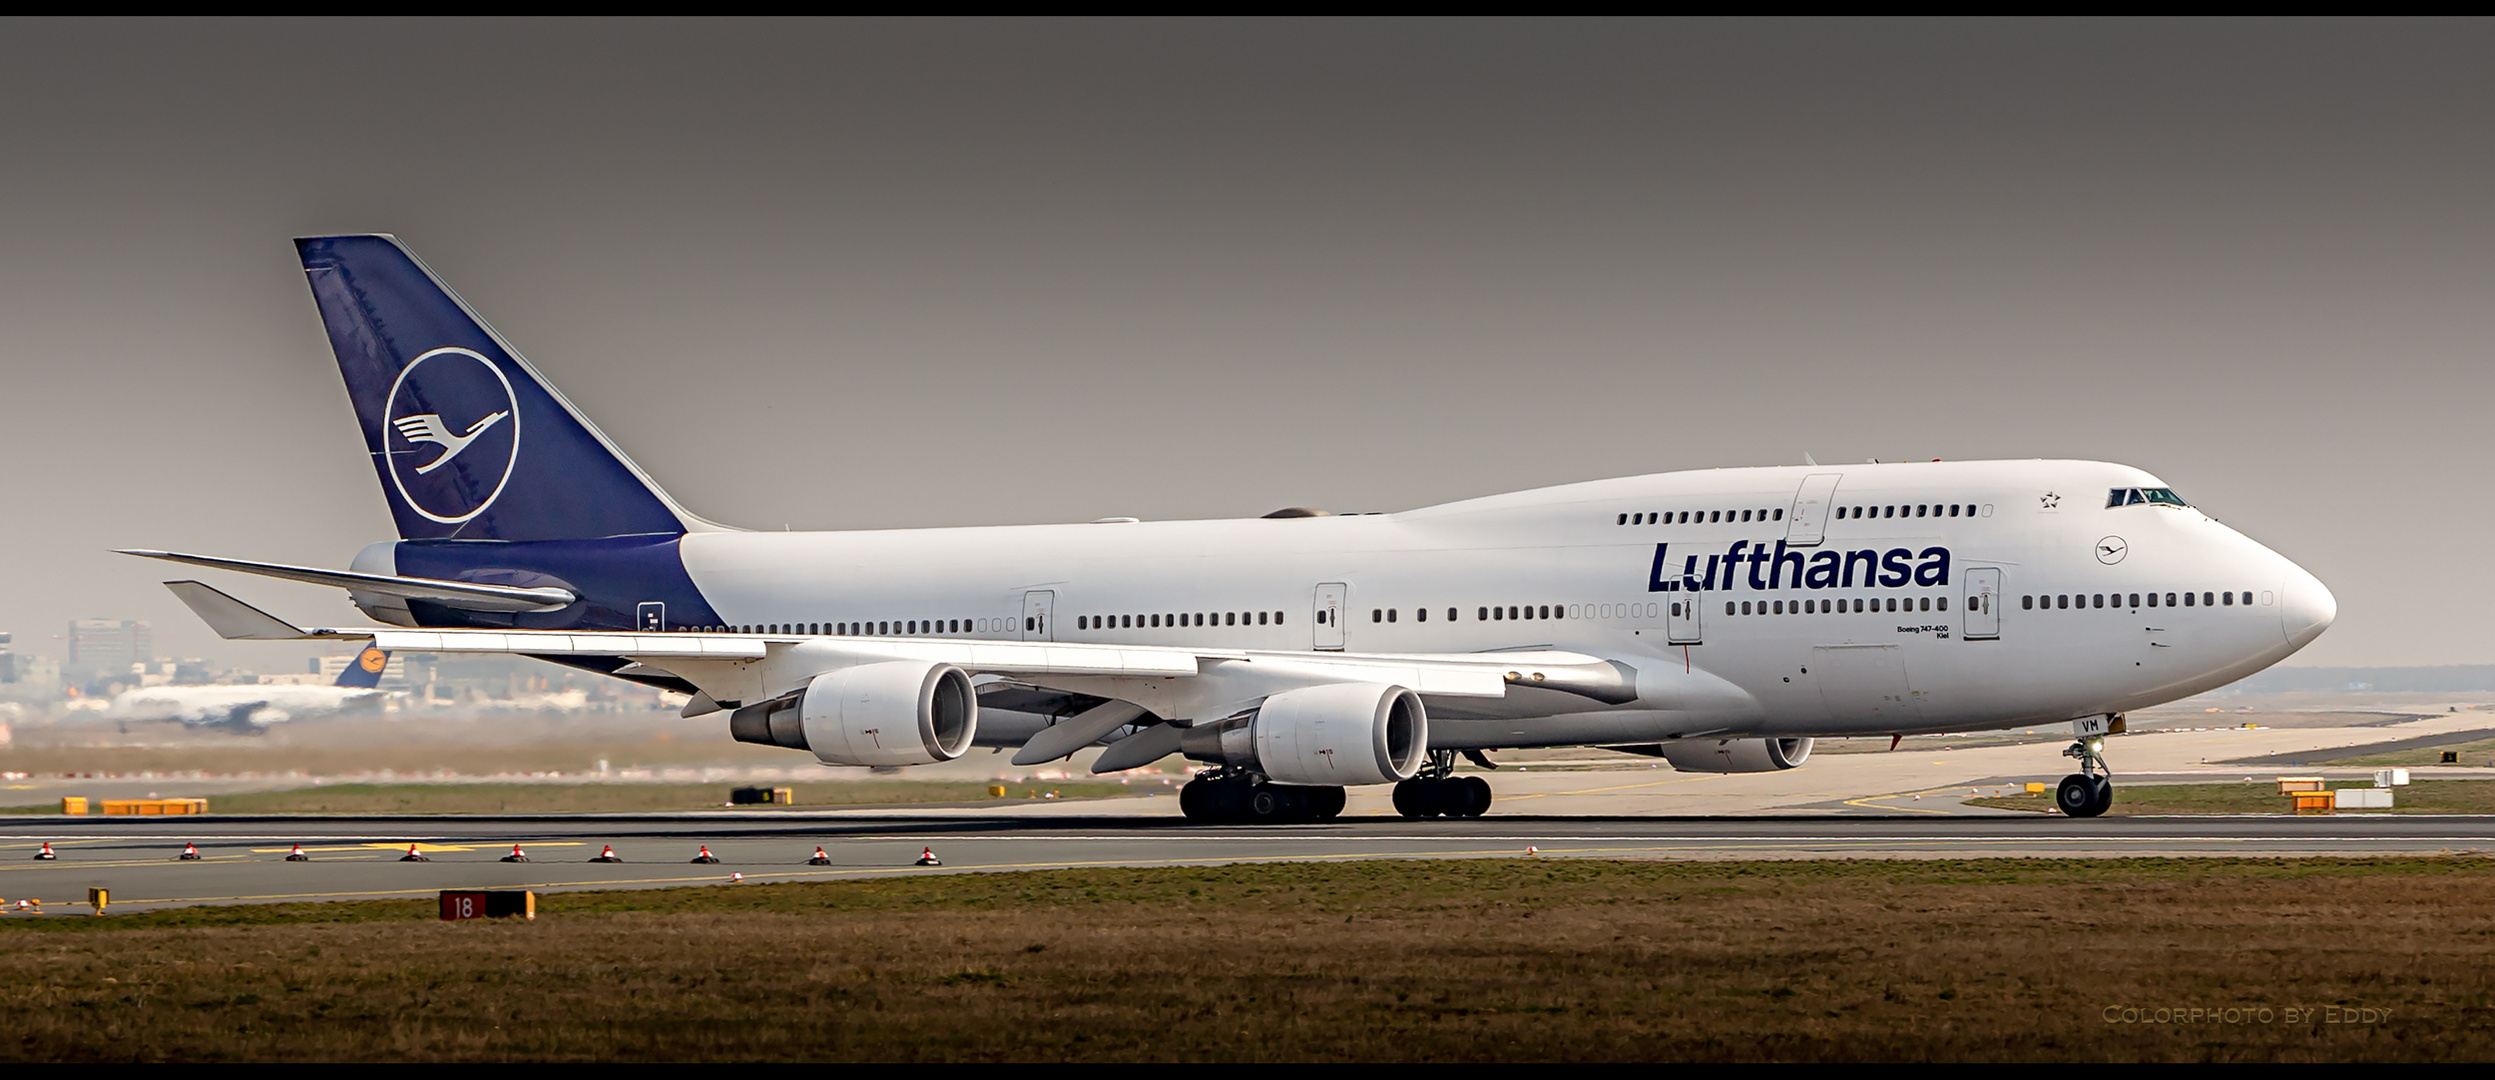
column 2306, row 608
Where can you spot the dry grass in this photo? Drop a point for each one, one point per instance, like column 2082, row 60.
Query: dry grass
column 1487, row 960
column 2421, row 797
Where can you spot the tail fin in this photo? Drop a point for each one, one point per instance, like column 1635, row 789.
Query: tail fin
column 365, row 672
column 469, row 440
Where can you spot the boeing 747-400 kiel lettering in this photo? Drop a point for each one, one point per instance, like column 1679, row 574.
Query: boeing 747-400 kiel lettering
column 1719, row 619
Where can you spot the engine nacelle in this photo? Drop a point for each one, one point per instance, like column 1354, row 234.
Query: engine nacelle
column 901, row 712
column 1335, row 735
column 1735, row 755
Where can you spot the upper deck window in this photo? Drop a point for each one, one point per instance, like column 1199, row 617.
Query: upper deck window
column 2139, row 496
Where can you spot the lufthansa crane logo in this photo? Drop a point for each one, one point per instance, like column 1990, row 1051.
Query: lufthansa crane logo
column 2111, row 550
column 453, row 434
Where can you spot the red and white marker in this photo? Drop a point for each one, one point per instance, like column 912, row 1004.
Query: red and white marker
column 706, row 856
column 927, row 857
column 607, row 854
column 46, row 854
column 516, row 855
column 414, row 855
column 297, row 855
column 190, row 853
column 819, row 859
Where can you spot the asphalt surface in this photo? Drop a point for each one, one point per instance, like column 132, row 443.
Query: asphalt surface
column 243, row 859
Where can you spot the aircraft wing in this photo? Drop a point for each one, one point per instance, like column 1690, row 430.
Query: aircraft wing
column 731, row 669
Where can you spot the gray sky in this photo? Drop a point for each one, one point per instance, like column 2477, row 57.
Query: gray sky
column 885, row 274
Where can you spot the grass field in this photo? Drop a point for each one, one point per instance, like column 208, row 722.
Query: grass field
column 614, row 798
column 2421, row 797
column 2470, row 753
column 1509, row 959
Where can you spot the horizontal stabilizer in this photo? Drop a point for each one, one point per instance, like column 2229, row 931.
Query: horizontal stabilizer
column 464, row 595
column 232, row 619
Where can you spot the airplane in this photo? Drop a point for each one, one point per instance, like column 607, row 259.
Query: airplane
column 252, row 709
column 1720, row 619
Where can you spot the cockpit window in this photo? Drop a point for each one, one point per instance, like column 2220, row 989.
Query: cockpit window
column 2137, row 496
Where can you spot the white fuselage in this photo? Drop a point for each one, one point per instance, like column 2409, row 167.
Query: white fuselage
column 1796, row 659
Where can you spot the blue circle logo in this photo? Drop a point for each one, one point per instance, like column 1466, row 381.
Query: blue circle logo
column 454, row 434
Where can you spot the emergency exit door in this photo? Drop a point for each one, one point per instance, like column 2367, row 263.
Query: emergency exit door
column 1683, row 623
column 1332, row 596
column 1038, row 606
column 1983, row 606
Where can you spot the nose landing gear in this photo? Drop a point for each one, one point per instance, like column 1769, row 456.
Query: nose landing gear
column 2090, row 791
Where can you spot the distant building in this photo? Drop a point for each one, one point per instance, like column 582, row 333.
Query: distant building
column 108, row 645
column 8, row 660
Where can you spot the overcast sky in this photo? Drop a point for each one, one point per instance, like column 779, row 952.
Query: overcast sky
column 837, row 275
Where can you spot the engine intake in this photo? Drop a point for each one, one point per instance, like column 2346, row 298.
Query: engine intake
column 1734, row 755
column 1340, row 734
column 901, row 712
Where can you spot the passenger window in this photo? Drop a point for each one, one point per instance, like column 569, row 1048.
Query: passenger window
column 2230, row 598
column 1390, row 614
column 1953, row 509
column 2027, row 603
column 1676, row 609
column 1546, row 611
column 1481, row 615
column 1451, row 614
column 1420, row 614
column 2135, row 599
column 1944, row 603
column 2208, row 599
column 1728, row 607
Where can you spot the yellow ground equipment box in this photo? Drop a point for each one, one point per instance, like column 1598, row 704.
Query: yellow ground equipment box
column 2314, row 802
column 2289, row 785
column 74, row 805
column 762, row 796
column 155, row 807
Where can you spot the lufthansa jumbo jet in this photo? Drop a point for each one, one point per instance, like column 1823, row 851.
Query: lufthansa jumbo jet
column 1720, row 619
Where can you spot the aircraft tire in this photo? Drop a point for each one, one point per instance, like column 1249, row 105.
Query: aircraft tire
column 2076, row 796
column 1477, row 796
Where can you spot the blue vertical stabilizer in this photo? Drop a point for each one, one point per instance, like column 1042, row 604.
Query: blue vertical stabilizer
column 469, row 441
column 365, row 672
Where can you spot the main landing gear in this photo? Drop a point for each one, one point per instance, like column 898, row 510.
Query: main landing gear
column 1227, row 796
column 1437, row 792
column 2090, row 791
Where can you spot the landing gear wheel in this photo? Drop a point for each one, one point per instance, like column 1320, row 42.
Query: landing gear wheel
column 2078, row 795
column 1191, row 800
column 1412, row 799
column 1273, row 804
column 1476, row 795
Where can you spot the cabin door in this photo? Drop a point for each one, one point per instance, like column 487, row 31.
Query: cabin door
column 1983, row 603
column 1038, row 606
column 1332, row 596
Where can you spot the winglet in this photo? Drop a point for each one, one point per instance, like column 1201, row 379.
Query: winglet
column 234, row 620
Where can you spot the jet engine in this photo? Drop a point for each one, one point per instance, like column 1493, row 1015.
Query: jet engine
column 1734, row 755
column 1327, row 736
column 901, row 712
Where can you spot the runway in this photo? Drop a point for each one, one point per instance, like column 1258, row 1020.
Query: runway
column 243, row 859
